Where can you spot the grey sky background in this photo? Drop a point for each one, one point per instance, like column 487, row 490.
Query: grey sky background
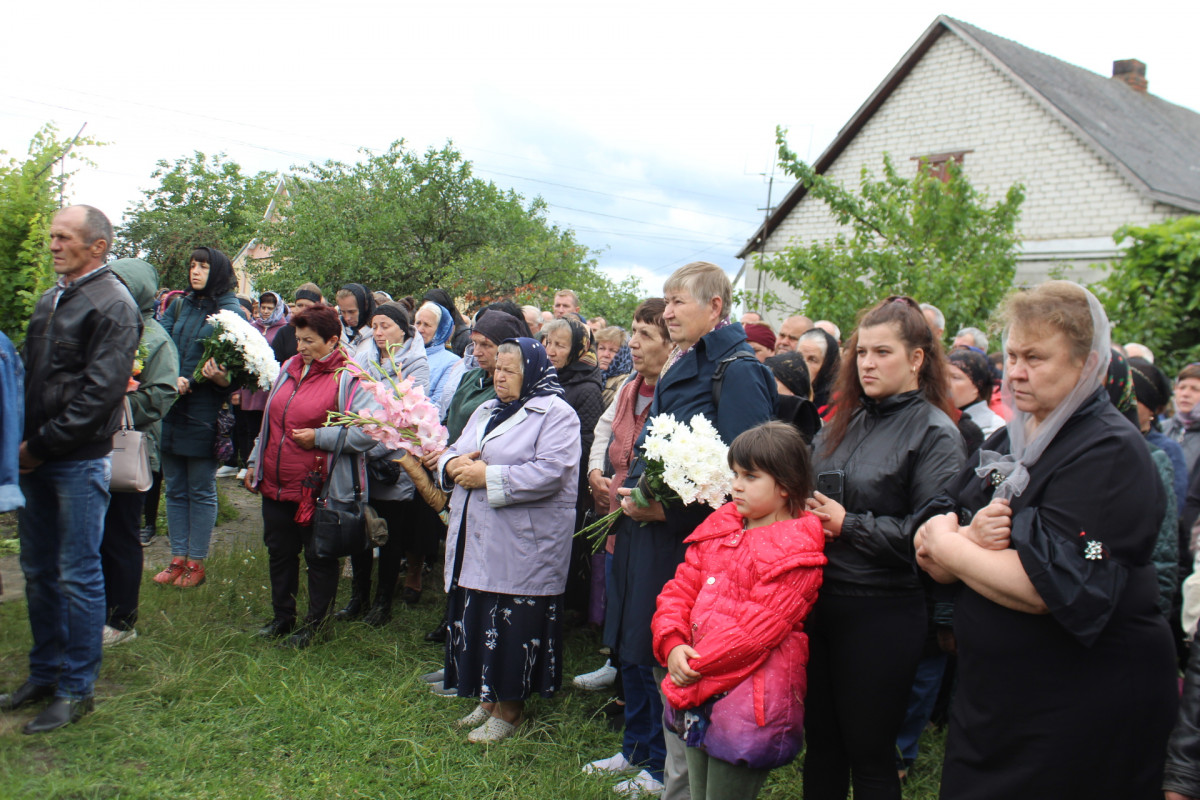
column 647, row 126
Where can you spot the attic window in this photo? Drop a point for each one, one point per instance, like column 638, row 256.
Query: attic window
column 938, row 164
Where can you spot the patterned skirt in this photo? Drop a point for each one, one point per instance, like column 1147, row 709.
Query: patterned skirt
column 504, row 647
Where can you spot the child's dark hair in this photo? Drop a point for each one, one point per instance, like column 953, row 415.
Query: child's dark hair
column 777, row 449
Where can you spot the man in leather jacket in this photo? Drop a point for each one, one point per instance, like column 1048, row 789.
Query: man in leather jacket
column 79, row 353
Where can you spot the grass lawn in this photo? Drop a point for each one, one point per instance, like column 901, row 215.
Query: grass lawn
column 196, row 707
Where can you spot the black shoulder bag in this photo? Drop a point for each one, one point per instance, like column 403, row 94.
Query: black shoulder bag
column 339, row 528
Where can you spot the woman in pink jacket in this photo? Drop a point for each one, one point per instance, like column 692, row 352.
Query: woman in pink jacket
column 730, row 625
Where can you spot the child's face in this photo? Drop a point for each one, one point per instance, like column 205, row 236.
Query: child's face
column 758, row 497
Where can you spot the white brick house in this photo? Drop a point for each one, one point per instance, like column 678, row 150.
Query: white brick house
column 1093, row 153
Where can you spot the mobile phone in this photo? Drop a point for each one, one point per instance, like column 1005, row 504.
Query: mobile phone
column 832, row 484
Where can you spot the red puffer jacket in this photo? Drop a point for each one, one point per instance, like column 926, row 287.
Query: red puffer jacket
column 740, row 599
column 297, row 403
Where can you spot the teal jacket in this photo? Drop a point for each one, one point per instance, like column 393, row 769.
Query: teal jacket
column 156, row 390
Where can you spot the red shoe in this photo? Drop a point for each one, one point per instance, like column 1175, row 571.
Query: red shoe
column 193, row 575
column 176, row 568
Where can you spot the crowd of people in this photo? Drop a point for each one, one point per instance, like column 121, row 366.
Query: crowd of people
column 920, row 527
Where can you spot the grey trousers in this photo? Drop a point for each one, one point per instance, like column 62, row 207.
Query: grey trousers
column 675, row 771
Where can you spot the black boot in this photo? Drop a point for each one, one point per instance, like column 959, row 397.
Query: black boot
column 380, row 613
column 360, row 595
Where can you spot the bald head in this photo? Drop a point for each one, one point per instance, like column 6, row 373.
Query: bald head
column 790, row 331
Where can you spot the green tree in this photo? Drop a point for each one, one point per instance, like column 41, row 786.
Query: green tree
column 200, row 201
column 1150, row 294
column 405, row 222
column 937, row 241
column 29, row 197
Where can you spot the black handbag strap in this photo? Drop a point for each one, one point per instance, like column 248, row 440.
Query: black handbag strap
column 337, row 454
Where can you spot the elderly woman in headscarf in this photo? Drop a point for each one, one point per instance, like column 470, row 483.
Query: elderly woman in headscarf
column 821, row 354
column 1056, row 525
column 392, row 354
column 971, row 389
column 569, row 347
column 356, row 306
column 515, row 472
column 461, row 337
column 614, row 361
column 435, row 324
column 794, row 404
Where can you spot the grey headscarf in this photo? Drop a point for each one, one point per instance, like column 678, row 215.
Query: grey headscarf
column 1024, row 452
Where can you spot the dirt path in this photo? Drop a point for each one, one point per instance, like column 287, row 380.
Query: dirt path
column 246, row 530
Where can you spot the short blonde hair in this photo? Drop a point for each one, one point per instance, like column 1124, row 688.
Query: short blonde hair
column 612, row 334
column 1060, row 306
column 703, row 280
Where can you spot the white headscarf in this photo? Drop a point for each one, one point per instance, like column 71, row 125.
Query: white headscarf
column 1014, row 467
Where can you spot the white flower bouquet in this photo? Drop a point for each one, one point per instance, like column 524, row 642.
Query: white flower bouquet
column 686, row 463
column 236, row 345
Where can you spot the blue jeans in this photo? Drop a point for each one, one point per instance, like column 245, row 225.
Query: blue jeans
column 61, row 527
column 190, row 486
column 643, row 743
column 924, row 694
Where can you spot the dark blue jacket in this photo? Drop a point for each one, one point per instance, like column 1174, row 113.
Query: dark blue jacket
column 12, row 424
column 645, row 556
column 190, row 428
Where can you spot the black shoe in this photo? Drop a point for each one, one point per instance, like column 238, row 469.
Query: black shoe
column 303, row 638
column 28, row 692
column 59, row 713
column 411, row 597
column 353, row 610
column 276, row 629
column 437, row 635
column 146, row 535
column 379, row 615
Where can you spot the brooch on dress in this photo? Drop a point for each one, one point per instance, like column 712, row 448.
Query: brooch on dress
column 1093, row 550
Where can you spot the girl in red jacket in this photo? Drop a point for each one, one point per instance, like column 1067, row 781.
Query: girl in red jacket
column 729, row 626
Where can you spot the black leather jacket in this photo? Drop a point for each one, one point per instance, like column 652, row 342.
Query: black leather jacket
column 898, row 455
column 78, row 358
column 1182, row 771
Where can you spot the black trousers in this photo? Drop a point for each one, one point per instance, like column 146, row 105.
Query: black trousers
column 246, row 425
column 863, row 654
column 121, row 558
column 150, row 513
column 285, row 539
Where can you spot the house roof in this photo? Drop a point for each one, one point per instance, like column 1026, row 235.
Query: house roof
column 1154, row 144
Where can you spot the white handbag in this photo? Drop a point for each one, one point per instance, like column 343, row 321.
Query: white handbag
column 130, row 457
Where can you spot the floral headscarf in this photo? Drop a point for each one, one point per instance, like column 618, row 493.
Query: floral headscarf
column 540, row 379
column 278, row 317
column 622, row 363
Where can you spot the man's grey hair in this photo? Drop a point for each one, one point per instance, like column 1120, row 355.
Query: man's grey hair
column 1135, row 350
column 938, row 317
column 978, row 338
column 537, row 312
column 96, row 226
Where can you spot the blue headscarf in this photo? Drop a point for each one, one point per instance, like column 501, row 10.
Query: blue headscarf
column 540, row 380
column 622, row 363
column 445, row 328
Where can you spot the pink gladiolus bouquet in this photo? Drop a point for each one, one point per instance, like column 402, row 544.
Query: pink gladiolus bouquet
column 407, row 419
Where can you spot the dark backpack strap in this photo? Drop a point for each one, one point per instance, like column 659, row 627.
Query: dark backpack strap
column 718, row 377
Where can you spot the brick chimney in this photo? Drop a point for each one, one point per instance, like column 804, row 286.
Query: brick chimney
column 1132, row 72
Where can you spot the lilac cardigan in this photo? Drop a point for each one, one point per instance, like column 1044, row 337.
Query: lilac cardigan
column 519, row 528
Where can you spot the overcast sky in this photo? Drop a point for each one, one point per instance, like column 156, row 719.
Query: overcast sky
column 647, row 126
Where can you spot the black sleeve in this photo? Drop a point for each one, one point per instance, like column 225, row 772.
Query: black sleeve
column 1182, row 770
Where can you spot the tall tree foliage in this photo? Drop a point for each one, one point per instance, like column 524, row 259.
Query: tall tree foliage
column 200, row 201
column 30, row 188
column 937, row 241
column 404, row 222
column 1151, row 294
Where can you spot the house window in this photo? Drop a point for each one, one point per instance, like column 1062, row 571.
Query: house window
column 938, row 164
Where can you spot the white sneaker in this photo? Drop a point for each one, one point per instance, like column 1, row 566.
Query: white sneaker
column 227, row 472
column 598, row 679
column 494, row 730
column 241, row 476
column 616, row 764
column 641, row 785
column 112, row 636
